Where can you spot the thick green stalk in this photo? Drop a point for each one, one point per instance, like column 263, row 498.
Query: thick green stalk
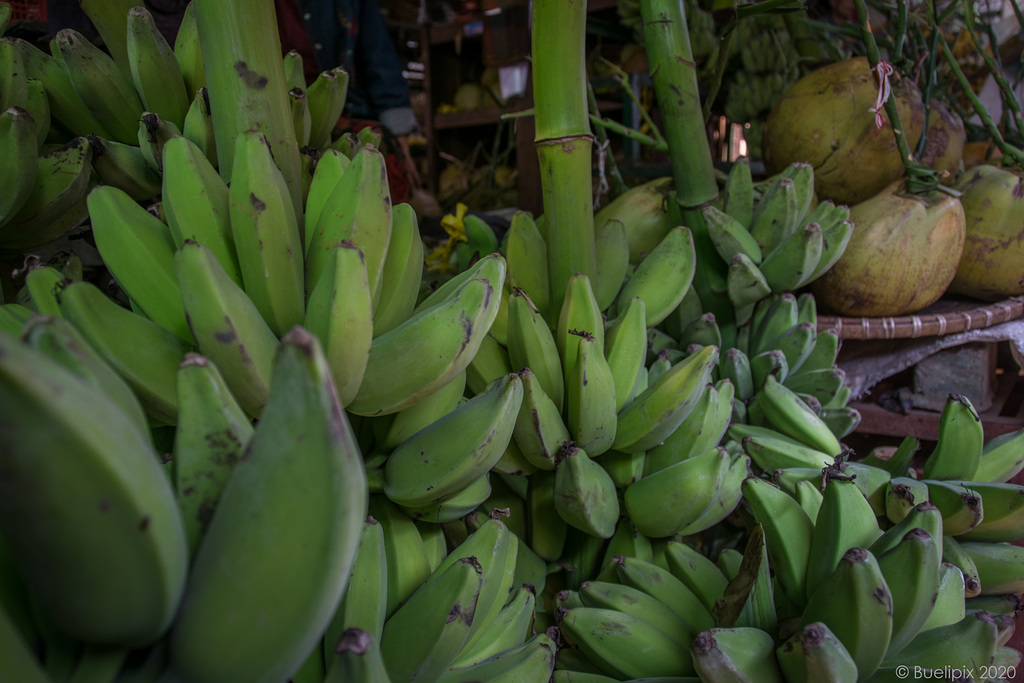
column 674, row 74
column 245, row 77
column 563, row 139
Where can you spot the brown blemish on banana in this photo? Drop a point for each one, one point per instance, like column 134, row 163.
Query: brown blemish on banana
column 252, row 79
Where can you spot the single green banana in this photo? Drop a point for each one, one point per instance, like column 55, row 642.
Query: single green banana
column 1002, row 458
column 901, row 495
column 791, row 416
column 460, row 447
column 844, row 521
column 835, row 239
column 195, row 201
column 959, row 443
column 611, row 247
column 1000, row 566
column 745, row 285
column 266, row 234
column 198, row 126
column 664, row 275
column 729, row 236
column 339, row 314
column 145, row 354
column 209, row 439
column 661, row 408
column 18, row 146
column 949, row 605
column 962, row 646
column 1004, row 512
column 524, row 249
column 825, row 384
column 227, row 326
column 87, row 511
column 154, row 70
column 777, row 213
column 38, row 106
column 138, row 249
column 955, row 554
column 546, row 531
column 922, row 516
column 727, row 498
column 590, row 399
column 188, row 53
column 531, row 345
column 912, row 572
column 424, row 353
column 402, row 271
column 738, row 193
column 453, row 506
column 408, row 565
column 767, row 363
column 124, row 167
column 490, row 362
column 770, row 454
column 584, row 493
column 300, row 118
column 636, row 603
column 771, row 317
column 579, row 313
column 363, row 605
column 661, row 584
column 299, row 490
column 325, row 179
column 815, row 654
column 742, row 654
column 962, row 509
column 788, row 533
column 857, row 606
column 697, row 571
column 695, row 435
column 626, row 349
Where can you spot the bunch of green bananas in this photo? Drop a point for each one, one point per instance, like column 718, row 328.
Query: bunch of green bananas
column 778, row 242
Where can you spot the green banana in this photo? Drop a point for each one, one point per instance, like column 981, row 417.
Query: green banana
column 145, row 354
column 425, row 635
column 949, row 605
column 87, row 511
column 453, row 506
column 407, row 562
column 745, row 285
column 959, row 443
column 339, row 314
column 777, row 214
column 154, row 69
column 579, row 313
column 125, row 167
column 584, row 493
column 696, row 571
column 402, row 271
column 789, row 534
column 489, row 363
column 791, row 416
column 1004, row 512
column 999, row 566
column 771, row 454
column 626, row 349
column 330, row 166
column 18, row 662
column 195, row 201
column 611, row 247
column 460, row 447
column 656, row 412
column 699, row 432
column 965, row 645
column 266, row 234
column 738, row 193
column 300, row 491
column 227, row 326
column 590, row 399
column 665, row 502
column 623, row 646
column 664, row 275
column 18, row 146
column 729, row 236
column 792, row 263
column 1001, row 458
column 425, row 352
column 524, row 249
column 661, row 584
column 531, row 345
column 901, row 495
column 533, row 660
column 741, row 654
column 354, row 658
column 209, row 439
column 138, row 249
column 815, row 654
column 509, row 628
column 326, row 96
column 962, row 509
column 198, row 126
column 844, row 521
column 419, row 415
column 912, row 571
column 546, row 531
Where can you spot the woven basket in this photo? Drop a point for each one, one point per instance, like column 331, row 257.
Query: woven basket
column 947, row 316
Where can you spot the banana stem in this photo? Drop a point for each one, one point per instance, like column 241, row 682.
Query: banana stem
column 629, row 133
column 674, row 73
column 563, row 140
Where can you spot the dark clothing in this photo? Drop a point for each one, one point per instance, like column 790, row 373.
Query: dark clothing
column 352, row 34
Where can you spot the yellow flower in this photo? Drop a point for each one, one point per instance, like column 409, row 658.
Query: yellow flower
column 440, row 258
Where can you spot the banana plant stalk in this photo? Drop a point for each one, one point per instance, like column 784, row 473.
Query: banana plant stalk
column 563, row 140
column 245, row 75
column 674, row 74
